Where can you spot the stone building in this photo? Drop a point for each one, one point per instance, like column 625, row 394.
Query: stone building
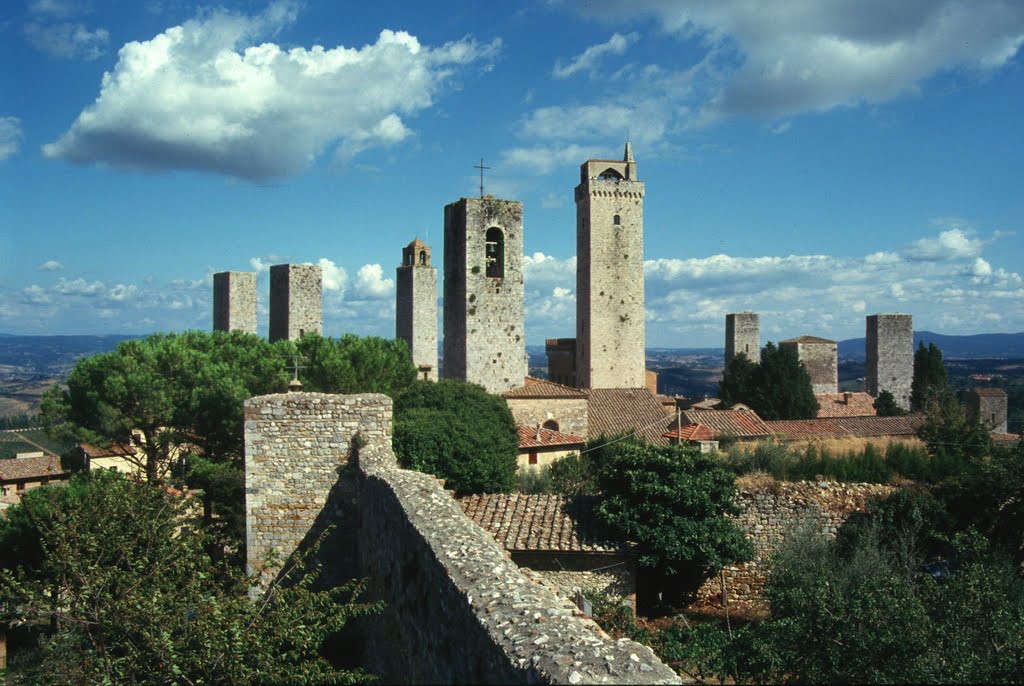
column 820, row 357
column 610, row 274
column 484, row 340
column 416, row 307
column 234, row 301
column 561, row 354
column 295, row 301
column 549, row 405
column 889, row 356
column 743, row 335
column 990, row 407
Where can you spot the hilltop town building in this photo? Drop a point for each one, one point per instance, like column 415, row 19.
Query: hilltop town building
column 820, row 357
column 610, row 274
column 234, row 301
column 889, row 356
column 484, row 339
column 743, row 336
column 416, row 307
column 990, row 407
column 295, row 301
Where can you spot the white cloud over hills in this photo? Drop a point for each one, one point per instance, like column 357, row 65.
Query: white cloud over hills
column 212, row 95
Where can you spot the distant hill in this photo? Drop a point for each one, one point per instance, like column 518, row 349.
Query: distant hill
column 52, row 355
column 976, row 346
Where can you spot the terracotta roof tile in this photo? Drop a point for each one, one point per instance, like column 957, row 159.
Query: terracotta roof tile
column 536, row 523
column 846, row 427
column 989, row 392
column 614, row 411
column 542, row 388
column 738, row 423
column 28, row 468
column 1005, row 439
column 692, row 432
column 115, row 450
column 808, row 339
column 528, row 438
column 845, row 405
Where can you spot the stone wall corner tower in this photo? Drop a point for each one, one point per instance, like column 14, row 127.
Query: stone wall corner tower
column 416, row 307
column 889, row 356
column 484, row 340
column 743, row 336
column 610, row 274
column 295, row 301
column 234, row 301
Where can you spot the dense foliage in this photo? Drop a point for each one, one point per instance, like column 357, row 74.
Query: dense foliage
column 458, row 432
column 948, row 430
column 112, row 577
column 929, row 377
column 886, row 406
column 777, row 388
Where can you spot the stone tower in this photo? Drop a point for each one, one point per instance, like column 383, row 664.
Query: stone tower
column 295, row 301
column 820, row 356
column 234, row 301
column 743, row 336
column 990, row 407
column 889, row 356
column 416, row 307
column 484, row 341
column 610, row 274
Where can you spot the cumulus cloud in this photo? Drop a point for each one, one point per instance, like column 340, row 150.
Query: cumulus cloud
column 79, row 286
column 588, row 59
column 211, row 95
column 10, row 136
column 370, row 282
column 50, row 266
column 335, row 278
column 954, row 244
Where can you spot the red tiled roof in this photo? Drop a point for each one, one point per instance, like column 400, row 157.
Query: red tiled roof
column 528, row 438
column 738, row 423
column 692, row 432
column 115, row 450
column 808, row 339
column 614, row 411
column 846, row 427
column 989, row 392
column 1005, row 439
column 845, row 405
column 30, row 468
column 536, row 523
column 542, row 388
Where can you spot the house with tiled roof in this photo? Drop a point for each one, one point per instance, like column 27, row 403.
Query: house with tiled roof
column 558, row 538
column 614, row 411
column 121, row 457
column 699, row 435
column 848, row 404
column 902, row 428
column 20, row 474
column 539, row 447
column 740, row 424
column 550, row 405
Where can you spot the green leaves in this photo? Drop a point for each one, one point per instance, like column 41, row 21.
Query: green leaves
column 777, row 388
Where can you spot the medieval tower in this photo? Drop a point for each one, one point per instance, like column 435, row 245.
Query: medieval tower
column 484, row 341
column 889, row 356
column 234, row 301
column 416, row 307
column 295, row 301
column 743, row 336
column 610, row 274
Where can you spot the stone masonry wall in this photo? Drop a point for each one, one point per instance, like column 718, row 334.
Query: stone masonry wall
column 458, row 610
column 889, row 356
column 234, row 301
column 570, row 413
column 822, row 363
column 565, row 572
column 769, row 513
column 296, row 292
column 743, row 335
column 416, row 314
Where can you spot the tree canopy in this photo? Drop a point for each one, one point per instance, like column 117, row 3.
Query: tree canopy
column 929, row 376
column 116, row 572
column 777, row 388
column 458, row 432
column 886, row 406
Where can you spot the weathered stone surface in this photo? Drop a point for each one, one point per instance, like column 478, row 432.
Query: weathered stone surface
column 570, row 414
column 295, row 301
column 743, row 335
column 234, row 301
column 889, row 356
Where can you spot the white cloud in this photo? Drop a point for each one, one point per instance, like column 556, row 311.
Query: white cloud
column 370, row 282
column 587, row 60
column 954, row 244
column 208, row 95
column 79, row 286
column 10, row 136
column 981, row 267
column 121, row 292
column 50, row 266
column 335, row 278
column 68, row 40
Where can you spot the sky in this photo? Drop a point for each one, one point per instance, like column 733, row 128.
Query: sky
column 815, row 161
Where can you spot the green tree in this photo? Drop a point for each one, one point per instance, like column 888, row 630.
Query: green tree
column 738, row 381
column 458, row 432
column 949, row 431
column 117, row 572
column 672, row 502
column 355, row 364
column 886, row 405
column 782, row 387
column 929, row 377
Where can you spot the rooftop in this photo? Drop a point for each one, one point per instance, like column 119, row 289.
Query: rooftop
column 692, row 432
column 29, row 468
column 846, row 427
column 613, row 411
column 532, row 437
column 845, row 405
column 738, row 423
column 989, row 392
column 542, row 388
column 808, row 339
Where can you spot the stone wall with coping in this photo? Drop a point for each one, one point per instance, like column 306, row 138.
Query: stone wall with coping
column 565, row 572
column 771, row 512
column 570, row 413
column 458, row 609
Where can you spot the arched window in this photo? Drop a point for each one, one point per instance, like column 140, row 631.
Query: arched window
column 610, row 174
column 423, row 256
column 616, row 220
column 408, row 258
column 495, row 253
column 551, row 425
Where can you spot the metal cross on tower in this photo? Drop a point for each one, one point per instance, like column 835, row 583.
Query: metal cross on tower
column 295, row 368
column 481, row 167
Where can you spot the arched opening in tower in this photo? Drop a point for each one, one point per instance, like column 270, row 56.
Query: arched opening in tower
column 495, row 253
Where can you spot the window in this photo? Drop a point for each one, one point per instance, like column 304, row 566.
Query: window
column 423, row 256
column 551, row 425
column 610, row 174
column 408, row 258
column 533, row 457
column 617, row 220
column 495, row 253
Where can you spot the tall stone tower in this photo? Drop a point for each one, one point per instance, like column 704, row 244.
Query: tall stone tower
column 743, row 335
column 820, row 356
column 484, row 341
column 295, row 301
column 416, row 307
column 234, row 301
column 889, row 356
column 610, row 274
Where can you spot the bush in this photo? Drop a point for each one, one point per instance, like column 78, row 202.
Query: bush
column 536, row 481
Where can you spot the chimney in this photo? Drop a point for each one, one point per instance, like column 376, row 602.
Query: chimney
column 846, row 397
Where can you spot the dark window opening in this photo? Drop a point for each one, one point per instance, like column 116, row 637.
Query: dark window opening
column 494, row 253
column 616, row 220
column 551, row 425
column 408, row 258
column 423, row 256
column 533, row 457
column 610, row 175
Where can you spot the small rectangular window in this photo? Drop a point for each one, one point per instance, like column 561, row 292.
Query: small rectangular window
column 533, row 457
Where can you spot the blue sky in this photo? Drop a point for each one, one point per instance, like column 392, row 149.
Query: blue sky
column 812, row 160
